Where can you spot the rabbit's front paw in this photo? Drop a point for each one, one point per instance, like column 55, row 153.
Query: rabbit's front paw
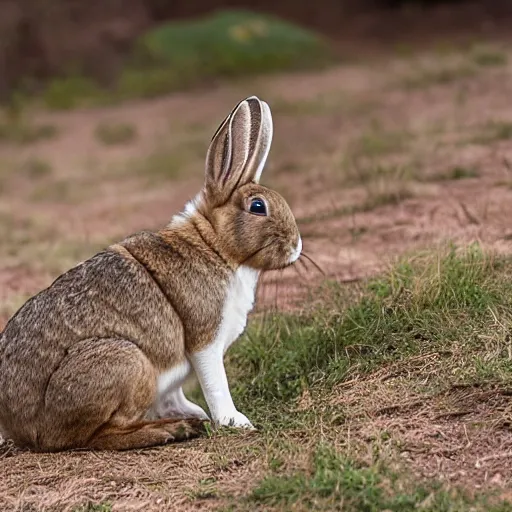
column 235, row 419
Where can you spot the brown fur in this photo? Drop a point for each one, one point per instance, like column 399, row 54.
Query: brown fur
column 79, row 361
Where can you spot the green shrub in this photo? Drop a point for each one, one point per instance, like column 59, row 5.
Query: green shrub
column 231, row 43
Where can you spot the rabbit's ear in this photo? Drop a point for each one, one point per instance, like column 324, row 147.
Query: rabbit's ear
column 239, row 149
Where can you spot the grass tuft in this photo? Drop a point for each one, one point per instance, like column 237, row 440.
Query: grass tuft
column 426, row 77
column 112, row 134
column 383, row 192
column 458, row 172
column 378, row 142
column 494, row 131
column 359, row 172
column 488, row 57
column 22, row 132
column 159, row 165
column 36, row 168
column 67, row 92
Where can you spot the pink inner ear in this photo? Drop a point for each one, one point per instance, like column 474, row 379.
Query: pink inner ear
column 226, row 158
column 237, row 145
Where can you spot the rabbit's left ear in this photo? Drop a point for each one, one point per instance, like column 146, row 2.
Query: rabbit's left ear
column 239, row 149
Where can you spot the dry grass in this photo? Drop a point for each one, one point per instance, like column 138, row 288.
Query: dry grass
column 459, row 433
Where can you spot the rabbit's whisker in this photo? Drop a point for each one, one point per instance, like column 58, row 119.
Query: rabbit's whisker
column 256, row 253
column 313, row 262
column 297, row 270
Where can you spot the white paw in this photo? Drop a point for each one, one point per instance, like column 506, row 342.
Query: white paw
column 235, row 419
column 197, row 412
column 188, row 410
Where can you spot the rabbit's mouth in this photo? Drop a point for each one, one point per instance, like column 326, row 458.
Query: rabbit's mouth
column 295, row 255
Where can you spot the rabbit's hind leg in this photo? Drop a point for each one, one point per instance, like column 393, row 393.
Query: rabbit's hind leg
column 98, row 397
column 146, row 433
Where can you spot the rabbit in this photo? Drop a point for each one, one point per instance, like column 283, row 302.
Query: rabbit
column 98, row 359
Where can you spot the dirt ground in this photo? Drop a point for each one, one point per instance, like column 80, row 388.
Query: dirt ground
column 377, row 159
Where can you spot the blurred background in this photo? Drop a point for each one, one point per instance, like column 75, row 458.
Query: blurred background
column 98, row 39
column 392, row 124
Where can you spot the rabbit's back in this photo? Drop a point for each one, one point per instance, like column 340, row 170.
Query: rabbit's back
column 108, row 296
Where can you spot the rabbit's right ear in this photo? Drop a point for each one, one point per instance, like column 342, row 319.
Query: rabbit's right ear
column 239, row 149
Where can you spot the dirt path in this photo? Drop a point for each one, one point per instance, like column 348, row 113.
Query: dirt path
column 376, row 161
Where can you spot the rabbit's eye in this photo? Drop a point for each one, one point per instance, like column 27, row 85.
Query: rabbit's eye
column 258, row 206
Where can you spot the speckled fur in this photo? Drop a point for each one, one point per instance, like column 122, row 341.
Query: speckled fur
column 79, row 362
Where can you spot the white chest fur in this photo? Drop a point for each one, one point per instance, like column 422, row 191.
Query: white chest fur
column 238, row 303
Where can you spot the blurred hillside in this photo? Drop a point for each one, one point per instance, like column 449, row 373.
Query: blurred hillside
column 39, row 40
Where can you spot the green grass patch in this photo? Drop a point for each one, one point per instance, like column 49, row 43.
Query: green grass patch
column 425, row 77
column 165, row 163
column 113, row 134
column 359, row 171
column 181, row 54
column 455, row 303
column 326, row 103
column 69, row 91
column 159, row 165
column 23, row 132
column 493, row 131
column 382, row 185
column 333, row 482
column 425, row 303
column 458, row 172
column 16, row 127
column 230, row 43
column 378, row 194
column 488, row 56
column 383, row 192
column 58, row 191
column 36, row 168
column 379, row 142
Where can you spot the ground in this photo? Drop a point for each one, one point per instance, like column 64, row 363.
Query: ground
column 379, row 159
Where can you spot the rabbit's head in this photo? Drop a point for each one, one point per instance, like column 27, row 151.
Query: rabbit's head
column 253, row 224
